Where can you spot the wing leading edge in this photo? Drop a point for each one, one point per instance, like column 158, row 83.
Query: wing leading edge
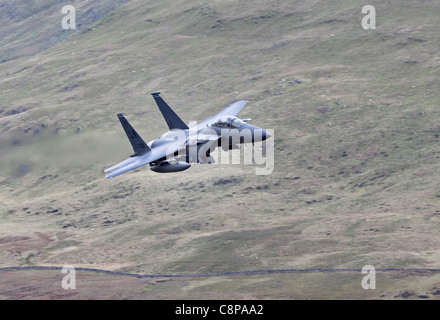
column 231, row 110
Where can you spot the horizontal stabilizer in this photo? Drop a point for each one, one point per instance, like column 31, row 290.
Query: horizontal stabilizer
column 159, row 152
column 124, row 167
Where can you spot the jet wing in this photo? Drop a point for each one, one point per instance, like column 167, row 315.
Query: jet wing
column 231, row 110
column 151, row 156
column 202, row 137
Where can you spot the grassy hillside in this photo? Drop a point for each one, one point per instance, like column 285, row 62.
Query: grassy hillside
column 357, row 128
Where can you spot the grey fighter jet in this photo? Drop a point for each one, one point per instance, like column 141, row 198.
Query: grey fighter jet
column 182, row 145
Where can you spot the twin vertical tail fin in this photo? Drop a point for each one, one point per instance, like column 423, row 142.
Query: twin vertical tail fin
column 138, row 144
column 172, row 119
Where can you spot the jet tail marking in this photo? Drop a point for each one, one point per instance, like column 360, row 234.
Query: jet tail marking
column 172, row 119
column 138, row 144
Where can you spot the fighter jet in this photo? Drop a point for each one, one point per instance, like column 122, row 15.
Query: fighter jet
column 185, row 144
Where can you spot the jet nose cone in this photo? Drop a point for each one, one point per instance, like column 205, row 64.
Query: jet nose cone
column 265, row 135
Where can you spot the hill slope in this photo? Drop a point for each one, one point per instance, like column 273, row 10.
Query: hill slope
column 356, row 122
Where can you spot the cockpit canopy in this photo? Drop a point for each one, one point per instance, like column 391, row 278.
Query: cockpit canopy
column 228, row 122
